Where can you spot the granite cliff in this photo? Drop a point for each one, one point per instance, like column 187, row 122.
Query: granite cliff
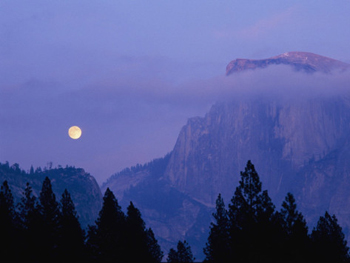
column 299, row 146
column 280, row 137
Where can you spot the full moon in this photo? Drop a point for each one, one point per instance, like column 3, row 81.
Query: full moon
column 74, row 132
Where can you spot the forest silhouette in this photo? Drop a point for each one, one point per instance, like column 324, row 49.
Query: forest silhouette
column 252, row 230
column 42, row 229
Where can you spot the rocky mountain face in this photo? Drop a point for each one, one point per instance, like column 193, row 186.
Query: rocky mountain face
column 300, row 61
column 295, row 145
column 83, row 187
column 298, row 144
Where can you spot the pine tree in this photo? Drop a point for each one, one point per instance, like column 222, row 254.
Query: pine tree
column 172, row 256
column 253, row 222
column 31, row 225
column 8, row 225
column 107, row 239
column 49, row 210
column 154, row 250
column 7, row 208
column 217, row 248
column 268, row 230
column 27, row 205
column 139, row 239
column 71, row 236
column 328, row 241
column 244, row 204
column 265, row 207
column 296, row 243
column 92, row 244
column 250, row 187
column 182, row 254
column 136, row 235
column 243, row 215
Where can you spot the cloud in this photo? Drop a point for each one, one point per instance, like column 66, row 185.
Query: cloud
column 279, row 80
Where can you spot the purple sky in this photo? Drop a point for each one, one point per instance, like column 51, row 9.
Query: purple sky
column 130, row 73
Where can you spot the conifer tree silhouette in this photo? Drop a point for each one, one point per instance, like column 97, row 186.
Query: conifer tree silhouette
column 296, row 241
column 31, row 223
column 182, row 254
column 217, row 248
column 71, row 236
column 8, row 224
column 154, row 249
column 49, row 230
column 138, row 238
column 253, row 222
column 107, row 239
column 43, row 230
column 328, row 241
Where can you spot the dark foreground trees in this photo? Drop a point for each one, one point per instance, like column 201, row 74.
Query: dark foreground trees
column 140, row 239
column 8, row 222
column 71, row 239
column 296, row 242
column 41, row 229
column 251, row 230
column 120, row 238
column 328, row 240
column 183, row 253
column 106, row 238
column 218, row 247
column 44, row 230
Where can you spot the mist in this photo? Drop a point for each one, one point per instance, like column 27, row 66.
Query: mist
column 134, row 115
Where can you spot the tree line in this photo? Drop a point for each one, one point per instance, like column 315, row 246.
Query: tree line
column 252, row 230
column 44, row 230
column 41, row 229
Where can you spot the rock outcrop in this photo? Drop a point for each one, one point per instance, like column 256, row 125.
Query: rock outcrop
column 301, row 61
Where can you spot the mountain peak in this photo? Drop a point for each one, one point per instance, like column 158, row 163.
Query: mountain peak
column 304, row 61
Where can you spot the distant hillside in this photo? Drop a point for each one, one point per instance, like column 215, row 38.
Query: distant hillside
column 130, row 177
column 83, row 188
column 171, row 214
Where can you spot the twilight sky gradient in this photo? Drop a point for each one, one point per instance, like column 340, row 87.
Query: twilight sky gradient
column 130, row 73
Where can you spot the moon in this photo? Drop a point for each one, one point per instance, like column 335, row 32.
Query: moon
column 74, row 132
